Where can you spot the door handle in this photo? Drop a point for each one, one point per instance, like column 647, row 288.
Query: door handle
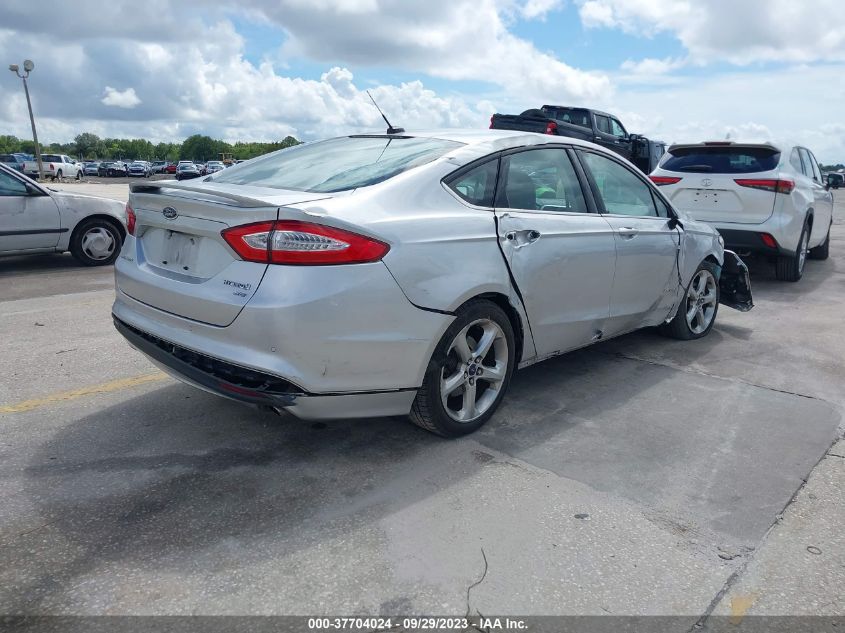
column 522, row 238
column 628, row 232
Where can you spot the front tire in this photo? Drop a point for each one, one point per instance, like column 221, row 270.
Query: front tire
column 96, row 242
column 822, row 251
column 697, row 311
column 469, row 372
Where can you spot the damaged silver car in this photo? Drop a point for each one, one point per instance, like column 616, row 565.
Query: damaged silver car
column 396, row 274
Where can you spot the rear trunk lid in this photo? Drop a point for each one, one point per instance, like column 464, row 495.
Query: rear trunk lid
column 708, row 189
column 181, row 264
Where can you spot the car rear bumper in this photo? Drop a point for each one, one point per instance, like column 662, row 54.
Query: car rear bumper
column 318, row 341
column 250, row 387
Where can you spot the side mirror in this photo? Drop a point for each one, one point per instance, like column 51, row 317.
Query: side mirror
column 675, row 223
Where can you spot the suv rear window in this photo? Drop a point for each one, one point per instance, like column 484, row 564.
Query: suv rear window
column 721, row 160
column 337, row 164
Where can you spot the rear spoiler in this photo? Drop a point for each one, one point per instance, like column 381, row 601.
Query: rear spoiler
column 731, row 144
column 244, row 201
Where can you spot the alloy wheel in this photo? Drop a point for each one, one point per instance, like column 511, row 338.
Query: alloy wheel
column 475, row 369
column 701, row 301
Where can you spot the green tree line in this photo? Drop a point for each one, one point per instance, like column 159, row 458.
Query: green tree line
column 197, row 147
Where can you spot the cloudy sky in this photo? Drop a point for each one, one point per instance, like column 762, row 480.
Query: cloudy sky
column 680, row 70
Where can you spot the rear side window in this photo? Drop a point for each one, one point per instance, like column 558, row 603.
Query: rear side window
column 603, row 124
column 337, row 164
column 478, row 185
column 721, row 160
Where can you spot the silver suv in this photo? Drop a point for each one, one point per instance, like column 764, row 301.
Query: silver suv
column 764, row 198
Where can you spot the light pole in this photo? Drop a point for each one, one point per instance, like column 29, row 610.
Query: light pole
column 27, row 68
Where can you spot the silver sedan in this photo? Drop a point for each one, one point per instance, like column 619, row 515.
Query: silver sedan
column 39, row 219
column 411, row 274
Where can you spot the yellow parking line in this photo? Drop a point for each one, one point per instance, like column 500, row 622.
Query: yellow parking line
column 63, row 396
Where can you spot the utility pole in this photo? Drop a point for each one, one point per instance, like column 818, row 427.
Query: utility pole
column 27, row 68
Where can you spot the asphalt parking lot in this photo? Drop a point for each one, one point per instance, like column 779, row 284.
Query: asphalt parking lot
column 639, row 476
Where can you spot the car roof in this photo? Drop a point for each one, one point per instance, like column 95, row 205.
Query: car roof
column 480, row 142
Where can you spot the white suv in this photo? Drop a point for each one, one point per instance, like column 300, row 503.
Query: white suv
column 764, row 198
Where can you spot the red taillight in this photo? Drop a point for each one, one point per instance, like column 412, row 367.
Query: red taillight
column 302, row 244
column 51, row 167
column 768, row 240
column 130, row 220
column 767, row 184
column 491, row 120
column 551, row 127
column 664, row 180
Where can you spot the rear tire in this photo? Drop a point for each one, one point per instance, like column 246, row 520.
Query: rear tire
column 697, row 310
column 822, row 251
column 58, row 176
column 96, row 242
column 469, row 372
column 791, row 267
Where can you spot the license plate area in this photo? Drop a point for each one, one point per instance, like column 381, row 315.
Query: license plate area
column 173, row 251
column 706, row 197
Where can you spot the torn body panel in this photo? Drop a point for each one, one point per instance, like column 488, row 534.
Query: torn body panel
column 735, row 283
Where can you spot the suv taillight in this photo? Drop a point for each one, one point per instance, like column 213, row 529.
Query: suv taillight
column 130, row 220
column 664, row 180
column 302, row 244
column 551, row 127
column 491, row 120
column 767, row 184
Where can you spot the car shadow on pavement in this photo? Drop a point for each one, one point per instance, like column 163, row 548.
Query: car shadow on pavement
column 49, row 262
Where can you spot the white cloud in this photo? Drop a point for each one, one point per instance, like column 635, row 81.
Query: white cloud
column 188, row 72
column 534, row 9
column 453, row 39
column 120, row 99
column 740, row 32
column 650, row 66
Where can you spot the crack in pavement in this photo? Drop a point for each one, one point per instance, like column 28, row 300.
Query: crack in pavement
column 732, row 579
column 701, row 372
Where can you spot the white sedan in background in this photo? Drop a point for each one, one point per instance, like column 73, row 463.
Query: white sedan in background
column 37, row 219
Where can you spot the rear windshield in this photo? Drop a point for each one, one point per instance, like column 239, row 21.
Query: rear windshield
column 337, row 164
column 721, row 160
column 575, row 116
column 51, row 158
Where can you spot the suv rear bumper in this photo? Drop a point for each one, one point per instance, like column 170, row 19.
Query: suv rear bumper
column 744, row 241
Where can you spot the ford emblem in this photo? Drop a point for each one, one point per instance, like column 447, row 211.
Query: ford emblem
column 170, row 213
